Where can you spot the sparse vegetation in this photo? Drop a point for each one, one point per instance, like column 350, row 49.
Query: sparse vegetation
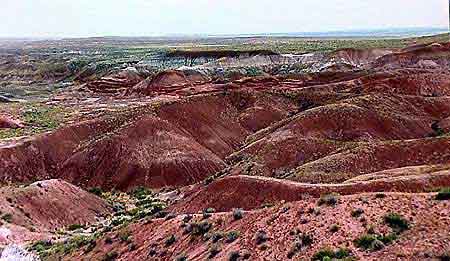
column 237, row 214
column 234, row 256
column 330, row 254
column 334, row 228
column 443, row 194
column 75, row 227
column 198, row 228
column 125, row 236
column 46, row 248
column 170, row 240
column 7, row 217
column 232, row 236
column 214, row 250
column 357, row 212
column 111, row 256
column 397, row 222
column 96, row 191
column 380, row 195
column 328, row 199
column 374, row 242
column 261, row 237
column 216, row 236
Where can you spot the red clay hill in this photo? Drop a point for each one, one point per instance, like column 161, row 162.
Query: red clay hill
column 324, row 165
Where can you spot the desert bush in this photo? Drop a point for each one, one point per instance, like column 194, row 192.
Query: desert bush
column 296, row 247
column 214, row 250
column 216, row 236
column 110, row 256
column 237, row 214
column 231, row 236
column 234, row 256
column 329, row 199
column 141, row 193
column 170, row 240
column 443, row 194
column 334, row 228
column 7, row 217
column 357, row 212
column 207, row 213
column 387, row 239
column 198, row 228
column 96, row 191
column 330, row 254
column 261, row 237
column 75, row 227
column 108, row 240
column 365, row 241
column 380, row 195
column 306, row 239
column 374, row 242
column 46, row 70
column 396, row 222
column 41, row 246
column 125, row 236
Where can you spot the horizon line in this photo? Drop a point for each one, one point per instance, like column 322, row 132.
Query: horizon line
column 364, row 32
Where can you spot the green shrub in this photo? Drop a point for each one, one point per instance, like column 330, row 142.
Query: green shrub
column 125, row 236
column 357, row 212
column 141, row 193
column 170, row 240
column 197, row 228
column 374, row 242
column 108, row 240
column 234, row 256
column 216, row 237
column 96, row 191
column 214, row 250
column 396, row 222
column 207, row 213
column 334, row 228
column 110, row 256
column 443, row 194
column 365, row 241
column 41, row 246
column 322, row 253
column 330, row 254
column 387, row 239
column 7, row 218
column 380, row 195
column 231, row 236
column 306, row 239
column 261, row 237
column 237, row 214
column 329, row 199
column 75, row 227
column 296, row 247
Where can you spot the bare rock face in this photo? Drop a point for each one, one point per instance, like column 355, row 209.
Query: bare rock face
column 435, row 55
column 116, row 83
column 35, row 210
column 167, row 81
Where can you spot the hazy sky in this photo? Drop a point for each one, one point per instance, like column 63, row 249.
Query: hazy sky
column 43, row 18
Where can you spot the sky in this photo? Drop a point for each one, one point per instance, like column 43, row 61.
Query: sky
column 83, row 18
